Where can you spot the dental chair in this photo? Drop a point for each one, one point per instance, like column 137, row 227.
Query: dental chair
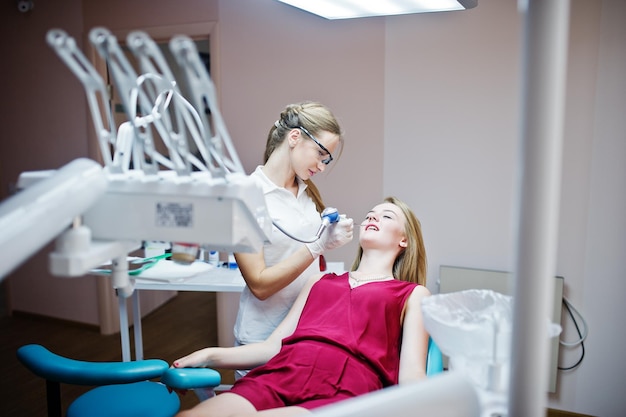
column 122, row 389
column 127, row 389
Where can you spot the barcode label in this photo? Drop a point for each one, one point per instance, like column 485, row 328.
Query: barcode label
column 174, row 215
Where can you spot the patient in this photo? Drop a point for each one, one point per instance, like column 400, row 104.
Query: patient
column 342, row 336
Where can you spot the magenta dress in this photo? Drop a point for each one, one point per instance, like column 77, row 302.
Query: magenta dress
column 347, row 343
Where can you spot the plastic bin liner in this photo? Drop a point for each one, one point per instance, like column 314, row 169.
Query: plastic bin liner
column 474, row 329
column 472, row 323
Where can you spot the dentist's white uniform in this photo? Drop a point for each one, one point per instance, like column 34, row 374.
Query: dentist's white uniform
column 257, row 319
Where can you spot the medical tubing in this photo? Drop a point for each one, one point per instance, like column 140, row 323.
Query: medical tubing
column 292, row 236
column 329, row 215
column 582, row 344
column 582, row 335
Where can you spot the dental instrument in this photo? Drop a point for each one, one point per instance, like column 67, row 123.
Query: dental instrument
column 329, row 215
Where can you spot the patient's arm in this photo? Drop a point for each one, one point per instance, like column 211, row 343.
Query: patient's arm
column 254, row 354
column 414, row 339
column 230, row 358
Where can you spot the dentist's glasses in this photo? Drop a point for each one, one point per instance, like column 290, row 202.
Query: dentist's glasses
column 325, row 161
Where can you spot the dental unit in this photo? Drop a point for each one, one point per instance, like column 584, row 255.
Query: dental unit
column 103, row 213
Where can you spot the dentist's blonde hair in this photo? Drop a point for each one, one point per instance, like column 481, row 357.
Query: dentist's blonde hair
column 411, row 263
column 314, row 117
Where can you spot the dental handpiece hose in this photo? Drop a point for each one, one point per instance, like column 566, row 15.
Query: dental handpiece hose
column 330, row 215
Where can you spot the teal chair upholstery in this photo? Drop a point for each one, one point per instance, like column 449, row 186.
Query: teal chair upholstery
column 123, row 389
column 434, row 360
column 190, row 378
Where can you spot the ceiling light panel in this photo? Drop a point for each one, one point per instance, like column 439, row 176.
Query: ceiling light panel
column 349, row 9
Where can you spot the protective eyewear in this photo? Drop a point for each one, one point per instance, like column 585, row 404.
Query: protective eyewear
column 325, row 161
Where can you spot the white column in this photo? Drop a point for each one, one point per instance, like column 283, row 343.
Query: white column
column 544, row 61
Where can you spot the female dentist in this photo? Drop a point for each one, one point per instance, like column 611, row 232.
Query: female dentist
column 300, row 144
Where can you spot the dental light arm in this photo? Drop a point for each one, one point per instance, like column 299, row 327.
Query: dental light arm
column 97, row 95
column 186, row 117
column 161, row 104
column 129, row 87
column 223, row 156
column 164, row 92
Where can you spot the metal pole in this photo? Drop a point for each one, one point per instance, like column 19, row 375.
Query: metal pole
column 544, row 59
column 124, row 331
column 137, row 326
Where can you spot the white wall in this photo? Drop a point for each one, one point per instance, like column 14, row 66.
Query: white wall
column 600, row 385
column 451, row 150
column 451, row 102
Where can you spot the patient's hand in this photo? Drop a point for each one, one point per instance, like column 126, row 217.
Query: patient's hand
column 198, row 359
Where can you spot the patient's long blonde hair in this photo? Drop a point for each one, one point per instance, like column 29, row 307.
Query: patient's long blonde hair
column 411, row 263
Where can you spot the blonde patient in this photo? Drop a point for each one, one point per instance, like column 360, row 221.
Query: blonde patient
column 342, row 336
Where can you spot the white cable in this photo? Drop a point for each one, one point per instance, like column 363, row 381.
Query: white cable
column 585, row 330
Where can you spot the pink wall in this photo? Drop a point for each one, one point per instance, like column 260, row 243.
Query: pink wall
column 121, row 14
column 40, row 93
column 44, row 124
column 272, row 54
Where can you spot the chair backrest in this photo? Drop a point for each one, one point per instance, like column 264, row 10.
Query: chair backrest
column 434, row 359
